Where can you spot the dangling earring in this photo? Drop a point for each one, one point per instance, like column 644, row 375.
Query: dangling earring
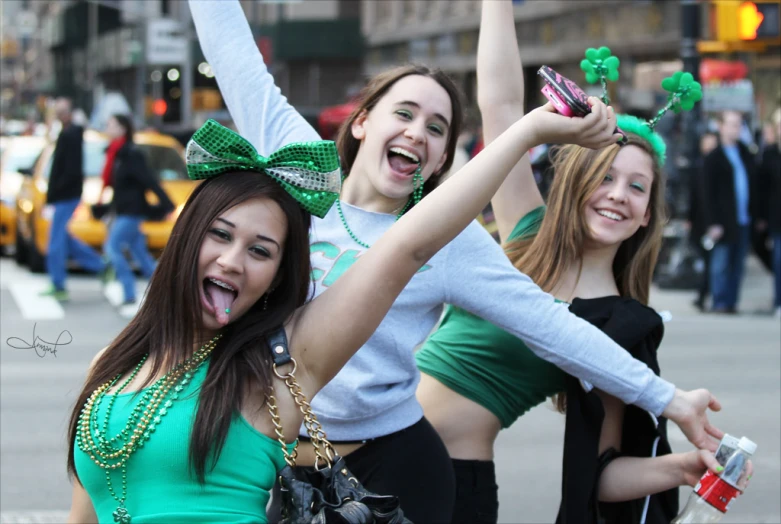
column 265, row 302
column 417, row 183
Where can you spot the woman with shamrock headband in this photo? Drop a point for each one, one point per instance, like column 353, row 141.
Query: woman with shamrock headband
column 370, row 407
column 594, row 246
column 172, row 424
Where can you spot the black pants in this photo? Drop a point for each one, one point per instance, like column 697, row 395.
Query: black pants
column 477, row 495
column 412, row 464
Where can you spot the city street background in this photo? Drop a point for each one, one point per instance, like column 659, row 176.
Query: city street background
column 738, row 358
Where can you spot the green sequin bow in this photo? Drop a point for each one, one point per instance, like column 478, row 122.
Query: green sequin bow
column 308, row 171
column 600, row 66
column 683, row 91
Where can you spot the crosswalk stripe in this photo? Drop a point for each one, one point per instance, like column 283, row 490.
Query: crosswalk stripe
column 31, row 517
column 25, row 288
column 35, row 307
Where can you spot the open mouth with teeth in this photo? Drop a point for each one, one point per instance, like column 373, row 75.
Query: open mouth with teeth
column 612, row 215
column 219, row 297
column 403, row 161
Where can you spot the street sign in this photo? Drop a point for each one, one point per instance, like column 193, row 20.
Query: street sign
column 26, row 23
column 728, row 96
column 166, row 43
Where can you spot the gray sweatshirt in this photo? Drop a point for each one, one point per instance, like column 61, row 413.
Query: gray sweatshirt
column 374, row 394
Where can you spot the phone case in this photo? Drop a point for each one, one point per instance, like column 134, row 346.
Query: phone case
column 566, row 90
column 558, row 102
column 567, row 97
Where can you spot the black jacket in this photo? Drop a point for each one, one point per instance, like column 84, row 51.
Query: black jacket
column 696, row 191
column 639, row 330
column 66, row 178
column 769, row 188
column 718, row 191
column 131, row 178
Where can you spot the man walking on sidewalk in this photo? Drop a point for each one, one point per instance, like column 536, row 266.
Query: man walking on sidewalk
column 64, row 194
column 728, row 174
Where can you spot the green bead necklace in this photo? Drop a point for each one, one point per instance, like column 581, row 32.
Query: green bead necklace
column 113, row 453
column 417, row 182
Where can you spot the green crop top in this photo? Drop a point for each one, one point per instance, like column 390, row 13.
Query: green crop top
column 160, row 485
column 486, row 364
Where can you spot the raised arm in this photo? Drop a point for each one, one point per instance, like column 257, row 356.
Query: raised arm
column 262, row 115
column 339, row 321
column 500, row 93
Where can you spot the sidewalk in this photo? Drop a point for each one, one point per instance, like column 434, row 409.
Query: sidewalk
column 756, row 297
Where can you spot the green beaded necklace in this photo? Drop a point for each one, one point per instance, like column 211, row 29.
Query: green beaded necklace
column 417, row 182
column 113, row 453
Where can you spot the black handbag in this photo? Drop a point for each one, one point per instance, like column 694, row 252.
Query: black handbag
column 329, row 494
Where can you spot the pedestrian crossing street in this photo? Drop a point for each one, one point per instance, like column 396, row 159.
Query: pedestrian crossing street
column 25, row 288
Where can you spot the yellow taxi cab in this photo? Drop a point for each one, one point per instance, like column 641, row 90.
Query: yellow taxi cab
column 18, row 152
column 165, row 158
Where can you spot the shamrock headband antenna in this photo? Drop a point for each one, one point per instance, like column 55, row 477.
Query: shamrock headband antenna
column 682, row 93
column 600, row 66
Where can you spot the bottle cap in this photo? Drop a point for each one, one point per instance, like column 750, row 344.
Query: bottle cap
column 747, row 445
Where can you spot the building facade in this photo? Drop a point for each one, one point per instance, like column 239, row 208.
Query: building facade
column 148, row 51
column 444, row 34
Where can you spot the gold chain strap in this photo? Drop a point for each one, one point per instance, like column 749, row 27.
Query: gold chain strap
column 323, row 449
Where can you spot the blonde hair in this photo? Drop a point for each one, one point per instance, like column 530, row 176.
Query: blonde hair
column 559, row 244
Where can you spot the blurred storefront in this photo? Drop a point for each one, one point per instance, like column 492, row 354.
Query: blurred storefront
column 148, row 52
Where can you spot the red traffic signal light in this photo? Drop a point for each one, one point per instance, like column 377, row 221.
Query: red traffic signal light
column 159, row 107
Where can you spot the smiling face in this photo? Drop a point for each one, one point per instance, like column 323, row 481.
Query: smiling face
column 620, row 205
column 410, row 124
column 239, row 259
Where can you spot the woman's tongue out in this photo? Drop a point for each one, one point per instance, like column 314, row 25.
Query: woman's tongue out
column 222, row 300
column 401, row 164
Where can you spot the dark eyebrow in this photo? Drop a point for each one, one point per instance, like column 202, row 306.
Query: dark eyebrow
column 261, row 237
column 267, row 239
column 417, row 106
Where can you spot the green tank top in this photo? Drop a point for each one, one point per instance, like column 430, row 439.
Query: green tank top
column 486, row 364
column 160, row 484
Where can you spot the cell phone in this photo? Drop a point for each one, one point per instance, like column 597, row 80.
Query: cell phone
column 567, row 97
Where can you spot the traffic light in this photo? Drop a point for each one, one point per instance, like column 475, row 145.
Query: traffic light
column 738, row 21
column 159, row 107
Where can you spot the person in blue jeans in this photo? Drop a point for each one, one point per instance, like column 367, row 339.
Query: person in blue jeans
column 728, row 206
column 130, row 177
column 64, row 194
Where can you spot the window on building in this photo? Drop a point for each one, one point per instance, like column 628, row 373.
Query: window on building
column 383, row 13
column 165, row 7
column 408, row 13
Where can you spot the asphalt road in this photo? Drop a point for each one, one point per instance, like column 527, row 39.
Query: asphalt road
column 738, row 358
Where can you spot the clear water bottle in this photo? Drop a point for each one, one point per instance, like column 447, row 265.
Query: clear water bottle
column 713, row 494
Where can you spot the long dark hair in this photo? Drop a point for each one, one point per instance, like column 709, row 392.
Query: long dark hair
column 127, row 125
column 169, row 320
column 377, row 87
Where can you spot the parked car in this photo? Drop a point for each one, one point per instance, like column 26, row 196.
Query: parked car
column 19, row 152
column 165, row 157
